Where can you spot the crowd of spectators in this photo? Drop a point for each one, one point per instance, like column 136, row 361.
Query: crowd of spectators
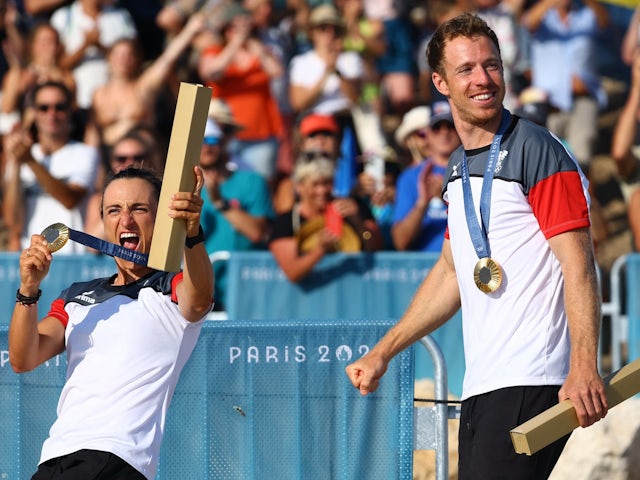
column 325, row 132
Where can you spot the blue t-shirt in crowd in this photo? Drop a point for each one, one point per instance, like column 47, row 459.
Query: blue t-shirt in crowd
column 250, row 191
column 434, row 222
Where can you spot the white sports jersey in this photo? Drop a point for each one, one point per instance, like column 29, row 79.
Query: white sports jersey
column 126, row 346
column 517, row 335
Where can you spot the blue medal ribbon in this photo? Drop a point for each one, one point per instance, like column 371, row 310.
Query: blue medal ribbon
column 108, row 248
column 479, row 231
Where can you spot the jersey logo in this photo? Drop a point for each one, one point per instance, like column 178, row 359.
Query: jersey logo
column 501, row 156
column 84, row 297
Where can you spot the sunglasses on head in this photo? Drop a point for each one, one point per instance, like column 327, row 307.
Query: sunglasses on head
column 139, row 157
column 58, row 107
column 211, row 141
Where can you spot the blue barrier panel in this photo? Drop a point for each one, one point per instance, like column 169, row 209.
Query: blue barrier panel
column 633, row 305
column 342, row 287
column 255, row 401
column 65, row 269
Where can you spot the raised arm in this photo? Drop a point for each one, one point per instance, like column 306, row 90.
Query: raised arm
column 195, row 292
column 31, row 342
column 405, row 231
column 600, row 11
column 624, row 132
column 211, row 67
column 13, row 199
column 532, row 18
column 631, row 38
column 154, row 75
column 436, row 301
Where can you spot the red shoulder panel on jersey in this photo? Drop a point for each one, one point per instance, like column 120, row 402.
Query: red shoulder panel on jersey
column 559, row 203
column 57, row 310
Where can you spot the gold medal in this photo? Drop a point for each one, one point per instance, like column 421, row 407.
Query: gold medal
column 488, row 275
column 56, row 236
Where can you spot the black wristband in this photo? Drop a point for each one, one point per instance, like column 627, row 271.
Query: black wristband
column 190, row 242
column 222, row 205
column 25, row 300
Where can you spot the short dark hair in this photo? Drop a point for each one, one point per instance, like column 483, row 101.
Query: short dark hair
column 68, row 95
column 465, row 25
column 136, row 136
column 132, row 173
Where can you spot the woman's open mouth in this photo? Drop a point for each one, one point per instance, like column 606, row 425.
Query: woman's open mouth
column 129, row 240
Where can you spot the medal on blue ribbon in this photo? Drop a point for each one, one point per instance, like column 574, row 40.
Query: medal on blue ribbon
column 58, row 234
column 487, row 273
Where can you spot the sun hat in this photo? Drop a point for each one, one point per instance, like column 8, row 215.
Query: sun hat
column 414, row 119
column 221, row 113
column 325, row 15
column 212, row 129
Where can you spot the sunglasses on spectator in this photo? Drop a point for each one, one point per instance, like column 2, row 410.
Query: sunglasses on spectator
column 138, row 157
column 324, row 133
column 315, row 155
column 443, row 124
column 58, row 107
column 211, row 141
column 422, row 133
column 337, row 31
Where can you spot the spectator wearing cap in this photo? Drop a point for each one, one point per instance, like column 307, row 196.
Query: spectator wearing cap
column 239, row 70
column 420, row 215
column 237, row 203
column 326, row 79
column 412, row 134
column 318, row 137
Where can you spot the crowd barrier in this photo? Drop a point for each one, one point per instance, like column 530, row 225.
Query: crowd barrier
column 273, row 372
column 631, row 321
column 256, row 400
column 342, row 287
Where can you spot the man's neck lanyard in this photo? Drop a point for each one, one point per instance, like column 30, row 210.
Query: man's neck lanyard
column 487, row 273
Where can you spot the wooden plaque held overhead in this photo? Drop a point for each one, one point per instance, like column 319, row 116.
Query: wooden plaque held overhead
column 561, row 419
column 183, row 154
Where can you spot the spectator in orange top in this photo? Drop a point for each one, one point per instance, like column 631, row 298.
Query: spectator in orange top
column 239, row 70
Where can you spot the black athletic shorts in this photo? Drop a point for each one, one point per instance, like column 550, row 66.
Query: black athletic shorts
column 87, row 465
column 485, row 450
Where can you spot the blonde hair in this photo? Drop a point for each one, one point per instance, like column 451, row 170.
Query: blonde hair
column 318, row 167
